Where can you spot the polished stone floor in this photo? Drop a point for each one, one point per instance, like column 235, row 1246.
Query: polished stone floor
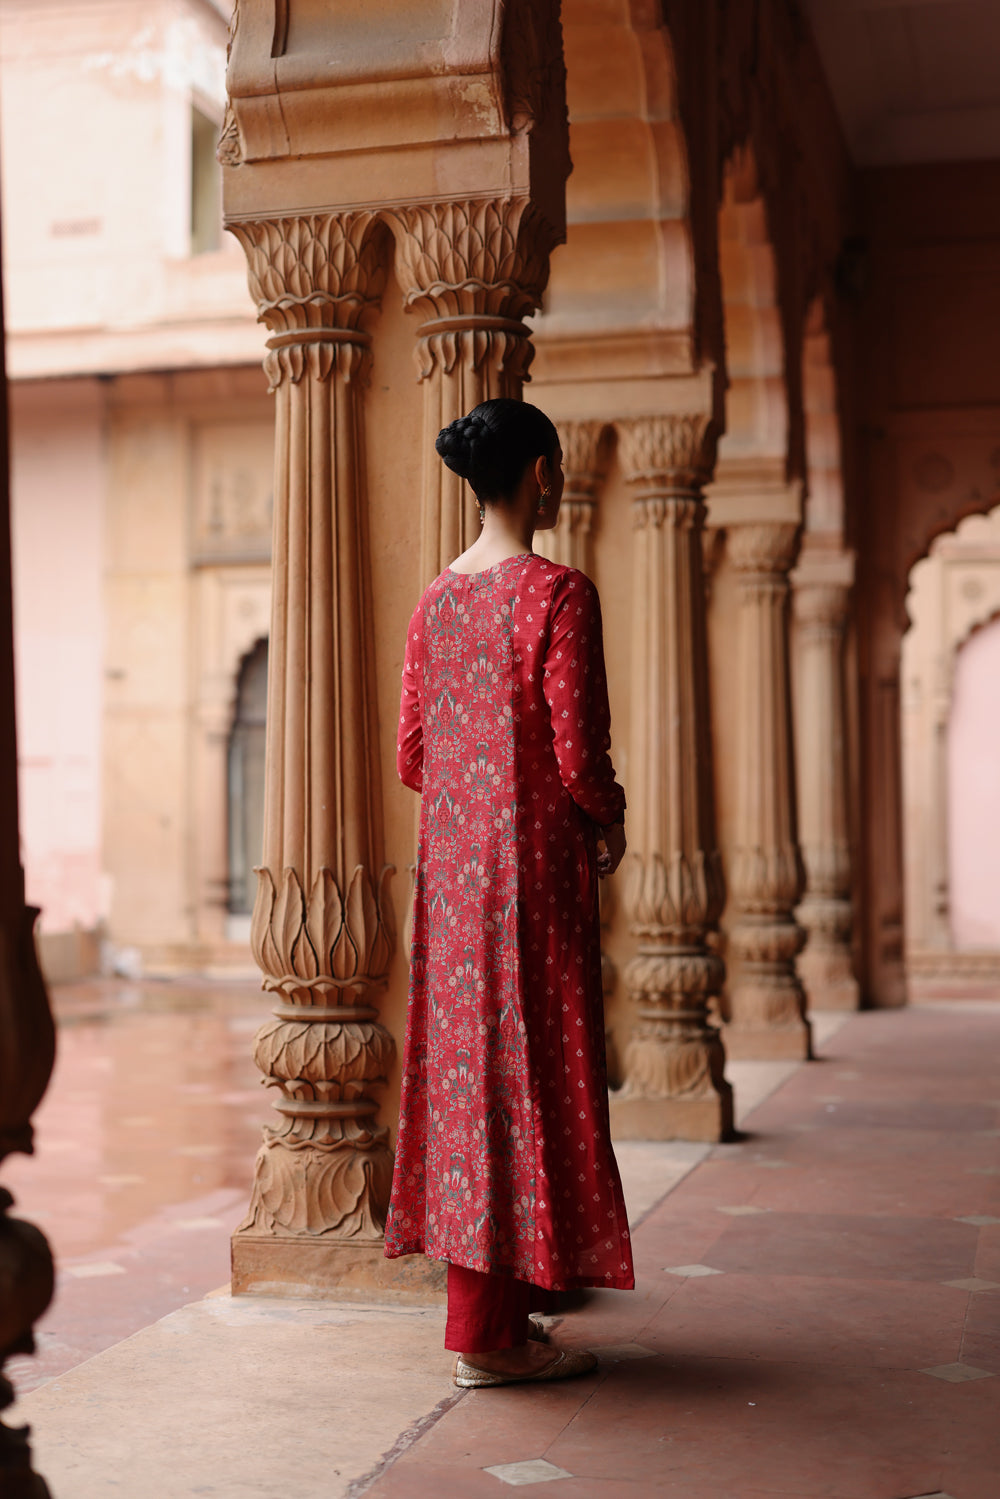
column 145, row 1143
column 817, row 1313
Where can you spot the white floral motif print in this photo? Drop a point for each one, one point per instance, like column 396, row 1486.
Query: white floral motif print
column 504, row 728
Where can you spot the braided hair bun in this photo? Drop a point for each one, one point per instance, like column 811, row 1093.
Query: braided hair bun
column 466, row 444
column 492, row 447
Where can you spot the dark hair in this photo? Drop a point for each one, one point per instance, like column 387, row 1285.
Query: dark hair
column 494, row 444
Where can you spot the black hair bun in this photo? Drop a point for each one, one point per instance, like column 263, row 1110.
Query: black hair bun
column 465, row 444
column 492, row 446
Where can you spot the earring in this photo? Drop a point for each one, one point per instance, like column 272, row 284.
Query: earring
column 482, row 514
column 542, row 498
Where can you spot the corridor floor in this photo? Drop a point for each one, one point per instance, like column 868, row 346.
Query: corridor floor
column 818, row 1308
column 817, row 1317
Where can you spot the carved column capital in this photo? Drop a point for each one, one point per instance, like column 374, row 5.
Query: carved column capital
column 583, row 458
column 672, row 451
column 313, row 277
column 821, row 609
column 764, row 550
column 476, row 267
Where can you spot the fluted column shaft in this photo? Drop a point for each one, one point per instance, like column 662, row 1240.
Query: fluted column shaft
column 824, row 965
column 766, row 1000
column 570, row 542
column 475, row 269
column 320, row 930
column 673, row 1085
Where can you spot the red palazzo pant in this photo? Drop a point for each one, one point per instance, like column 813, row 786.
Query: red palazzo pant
column 486, row 1312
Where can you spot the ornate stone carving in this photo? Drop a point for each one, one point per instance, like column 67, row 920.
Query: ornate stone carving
column 674, row 1083
column 329, row 944
column 669, row 455
column 323, row 1173
column 313, row 278
column 535, row 72
column 476, row 268
column 824, row 965
column 229, row 151
column 767, row 1003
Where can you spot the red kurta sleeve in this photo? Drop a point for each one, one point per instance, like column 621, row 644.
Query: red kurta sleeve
column 576, row 690
column 410, row 742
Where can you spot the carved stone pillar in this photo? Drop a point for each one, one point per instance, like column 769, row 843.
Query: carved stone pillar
column 887, row 980
column 320, row 931
column 475, row 268
column 824, row 965
column 570, row 541
column 940, row 871
column 674, row 1085
column 767, row 1003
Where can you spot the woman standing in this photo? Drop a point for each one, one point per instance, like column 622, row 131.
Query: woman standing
column 504, row 1165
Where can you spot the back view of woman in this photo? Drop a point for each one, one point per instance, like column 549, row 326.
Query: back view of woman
column 504, row 1165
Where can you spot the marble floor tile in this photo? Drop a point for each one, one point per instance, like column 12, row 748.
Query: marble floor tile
column 527, row 1472
column 691, row 1271
column 957, row 1373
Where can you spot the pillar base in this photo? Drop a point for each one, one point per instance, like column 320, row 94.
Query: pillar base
column 826, row 975
column 836, row 994
column 769, row 1043
column 887, row 989
column 345, row 1269
column 707, row 1118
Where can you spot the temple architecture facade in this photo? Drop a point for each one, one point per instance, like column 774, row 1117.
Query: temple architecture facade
column 704, row 234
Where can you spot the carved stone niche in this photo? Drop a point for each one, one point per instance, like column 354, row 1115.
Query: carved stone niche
column 233, row 492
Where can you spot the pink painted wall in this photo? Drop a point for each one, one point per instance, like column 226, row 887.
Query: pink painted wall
column 57, row 532
column 974, row 792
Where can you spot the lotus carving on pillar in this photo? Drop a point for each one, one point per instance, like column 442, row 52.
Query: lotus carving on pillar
column 328, row 942
column 325, row 1170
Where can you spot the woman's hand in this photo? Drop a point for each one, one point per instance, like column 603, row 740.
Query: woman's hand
column 613, row 838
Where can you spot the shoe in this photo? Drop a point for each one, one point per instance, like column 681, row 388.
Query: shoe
column 536, row 1332
column 569, row 1362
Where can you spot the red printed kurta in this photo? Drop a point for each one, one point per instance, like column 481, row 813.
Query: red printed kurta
column 504, row 1160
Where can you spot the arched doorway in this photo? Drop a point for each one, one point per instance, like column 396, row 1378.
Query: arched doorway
column 950, row 726
column 246, row 785
column 974, row 794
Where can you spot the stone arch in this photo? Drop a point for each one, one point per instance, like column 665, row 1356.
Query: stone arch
column 973, row 798
column 245, row 778
column 943, row 484
column 936, row 470
column 233, row 612
column 954, row 593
